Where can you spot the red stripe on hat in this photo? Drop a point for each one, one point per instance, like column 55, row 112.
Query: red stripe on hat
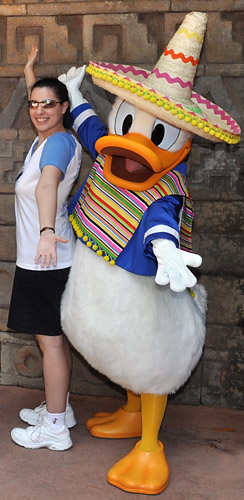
column 181, row 56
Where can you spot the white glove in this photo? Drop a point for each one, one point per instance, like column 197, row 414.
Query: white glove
column 73, row 80
column 172, row 265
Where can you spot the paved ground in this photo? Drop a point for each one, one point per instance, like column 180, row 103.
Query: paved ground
column 204, row 447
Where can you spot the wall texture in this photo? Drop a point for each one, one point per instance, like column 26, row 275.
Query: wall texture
column 69, row 33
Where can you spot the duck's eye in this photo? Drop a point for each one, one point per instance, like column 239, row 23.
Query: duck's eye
column 164, row 135
column 124, row 118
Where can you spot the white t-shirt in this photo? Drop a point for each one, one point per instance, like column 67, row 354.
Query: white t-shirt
column 63, row 151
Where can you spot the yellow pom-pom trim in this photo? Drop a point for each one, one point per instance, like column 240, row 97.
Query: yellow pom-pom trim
column 112, row 262
column 95, row 247
column 106, row 258
column 89, row 244
column 85, row 238
column 99, row 253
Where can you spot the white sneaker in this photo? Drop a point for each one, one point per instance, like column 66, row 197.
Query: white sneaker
column 34, row 417
column 42, row 436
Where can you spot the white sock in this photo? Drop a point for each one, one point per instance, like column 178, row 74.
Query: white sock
column 56, row 420
column 67, row 399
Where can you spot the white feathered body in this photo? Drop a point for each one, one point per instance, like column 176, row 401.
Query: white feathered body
column 142, row 336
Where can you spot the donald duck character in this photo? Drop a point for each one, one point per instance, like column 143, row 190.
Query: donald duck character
column 131, row 306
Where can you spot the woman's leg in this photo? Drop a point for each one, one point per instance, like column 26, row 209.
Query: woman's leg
column 56, row 371
column 68, row 352
column 33, row 417
column 51, row 431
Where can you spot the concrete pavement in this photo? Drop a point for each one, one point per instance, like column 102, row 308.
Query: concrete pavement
column 204, row 447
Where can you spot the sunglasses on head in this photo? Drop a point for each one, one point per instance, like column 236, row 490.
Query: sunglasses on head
column 46, row 103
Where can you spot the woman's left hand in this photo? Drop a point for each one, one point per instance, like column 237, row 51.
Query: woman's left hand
column 46, row 251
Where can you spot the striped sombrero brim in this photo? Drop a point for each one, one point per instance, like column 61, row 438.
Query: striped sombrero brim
column 197, row 115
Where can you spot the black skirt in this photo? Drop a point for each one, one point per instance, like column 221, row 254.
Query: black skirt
column 35, row 301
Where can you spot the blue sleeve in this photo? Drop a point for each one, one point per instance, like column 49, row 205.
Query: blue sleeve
column 88, row 127
column 58, row 151
column 138, row 256
column 162, row 220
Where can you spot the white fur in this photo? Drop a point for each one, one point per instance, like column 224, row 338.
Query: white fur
column 142, row 336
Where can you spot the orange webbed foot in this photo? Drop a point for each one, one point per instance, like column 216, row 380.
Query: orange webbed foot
column 98, row 418
column 120, row 424
column 141, row 472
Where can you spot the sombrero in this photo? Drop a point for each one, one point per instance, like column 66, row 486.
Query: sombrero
column 167, row 90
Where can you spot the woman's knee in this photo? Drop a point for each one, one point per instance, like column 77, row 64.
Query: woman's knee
column 46, row 343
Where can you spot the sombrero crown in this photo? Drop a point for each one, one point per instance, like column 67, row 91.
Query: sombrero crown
column 167, row 90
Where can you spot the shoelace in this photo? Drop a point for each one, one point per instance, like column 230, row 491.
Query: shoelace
column 41, row 406
column 36, row 433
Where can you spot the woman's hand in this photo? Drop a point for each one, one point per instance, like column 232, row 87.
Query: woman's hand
column 29, row 69
column 46, row 251
column 32, row 58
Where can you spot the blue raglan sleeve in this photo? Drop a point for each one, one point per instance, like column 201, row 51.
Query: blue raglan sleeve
column 58, row 151
column 88, row 127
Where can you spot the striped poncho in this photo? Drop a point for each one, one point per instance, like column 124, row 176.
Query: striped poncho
column 106, row 217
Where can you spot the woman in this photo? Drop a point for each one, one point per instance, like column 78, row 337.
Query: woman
column 45, row 245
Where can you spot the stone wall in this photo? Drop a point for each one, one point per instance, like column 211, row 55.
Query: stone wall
column 69, row 33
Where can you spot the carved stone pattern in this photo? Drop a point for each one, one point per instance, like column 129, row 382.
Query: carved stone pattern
column 112, row 38
column 12, row 159
column 28, row 361
column 23, row 32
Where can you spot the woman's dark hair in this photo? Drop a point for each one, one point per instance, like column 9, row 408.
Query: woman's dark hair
column 61, row 93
